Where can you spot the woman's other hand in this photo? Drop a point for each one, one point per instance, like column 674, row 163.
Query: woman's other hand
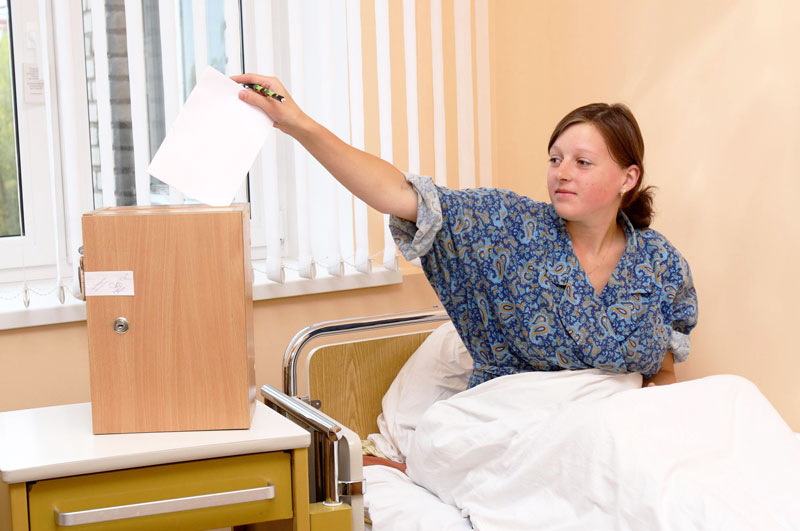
column 286, row 114
column 666, row 375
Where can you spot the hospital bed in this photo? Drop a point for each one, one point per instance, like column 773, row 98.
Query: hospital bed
column 337, row 373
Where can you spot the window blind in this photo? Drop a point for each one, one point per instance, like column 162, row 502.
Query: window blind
column 305, row 225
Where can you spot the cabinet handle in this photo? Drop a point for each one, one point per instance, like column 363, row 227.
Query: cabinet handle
column 203, row 501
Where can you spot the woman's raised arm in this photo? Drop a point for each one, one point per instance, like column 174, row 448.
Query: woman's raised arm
column 375, row 181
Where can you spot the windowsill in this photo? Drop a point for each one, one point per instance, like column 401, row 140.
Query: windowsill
column 46, row 310
column 294, row 285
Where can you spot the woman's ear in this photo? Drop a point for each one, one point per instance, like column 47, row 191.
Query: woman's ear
column 632, row 174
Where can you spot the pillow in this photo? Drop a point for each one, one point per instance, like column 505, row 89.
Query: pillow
column 438, row 369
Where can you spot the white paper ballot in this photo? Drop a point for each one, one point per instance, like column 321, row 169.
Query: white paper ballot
column 212, row 143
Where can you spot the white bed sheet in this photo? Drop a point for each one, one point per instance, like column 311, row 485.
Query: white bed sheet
column 394, row 502
column 705, row 454
column 397, row 503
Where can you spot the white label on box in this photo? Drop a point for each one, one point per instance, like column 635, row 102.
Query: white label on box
column 108, row 283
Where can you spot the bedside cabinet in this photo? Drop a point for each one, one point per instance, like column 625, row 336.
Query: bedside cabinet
column 57, row 475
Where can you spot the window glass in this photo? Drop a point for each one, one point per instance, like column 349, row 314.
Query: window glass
column 215, row 33
column 10, row 189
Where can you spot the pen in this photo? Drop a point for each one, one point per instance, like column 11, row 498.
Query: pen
column 264, row 91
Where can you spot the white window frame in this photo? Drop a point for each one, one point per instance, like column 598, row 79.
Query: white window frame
column 55, row 167
column 30, row 256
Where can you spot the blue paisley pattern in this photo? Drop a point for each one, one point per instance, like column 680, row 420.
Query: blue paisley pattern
column 504, row 269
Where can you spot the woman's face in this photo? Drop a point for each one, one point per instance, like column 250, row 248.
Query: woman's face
column 583, row 181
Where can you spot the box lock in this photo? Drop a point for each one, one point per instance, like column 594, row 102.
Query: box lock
column 121, row 325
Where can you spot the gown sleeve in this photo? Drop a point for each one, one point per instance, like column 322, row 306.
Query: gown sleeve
column 416, row 239
column 682, row 312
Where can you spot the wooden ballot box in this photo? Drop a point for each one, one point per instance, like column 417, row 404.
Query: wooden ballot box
column 169, row 308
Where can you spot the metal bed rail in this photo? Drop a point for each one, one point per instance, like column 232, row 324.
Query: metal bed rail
column 325, row 433
column 343, row 326
column 325, row 436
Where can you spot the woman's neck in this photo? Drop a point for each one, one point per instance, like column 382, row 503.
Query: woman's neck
column 594, row 238
column 598, row 248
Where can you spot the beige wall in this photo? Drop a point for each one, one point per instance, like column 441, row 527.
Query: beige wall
column 715, row 86
column 49, row 365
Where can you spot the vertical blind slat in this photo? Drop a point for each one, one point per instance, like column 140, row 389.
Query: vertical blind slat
column 170, row 66
column 233, row 32
column 134, row 29
column 200, row 42
column 305, row 263
column 483, row 92
column 465, row 116
column 437, row 65
column 322, row 186
column 384, row 78
column 385, row 112
column 199, row 37
column 233, row 58
column 249, row 62
column 103, row 96
column 412, row 104
column 52, row 125
column 316, row 104
column 340, row 104
column 268, row 159
column 356, row 94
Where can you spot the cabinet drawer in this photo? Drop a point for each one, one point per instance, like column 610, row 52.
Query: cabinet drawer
column 166, row 488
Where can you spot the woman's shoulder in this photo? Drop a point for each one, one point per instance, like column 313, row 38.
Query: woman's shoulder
column 482, row 192
column 492, row 197
column 654, row 241
column 657, row 249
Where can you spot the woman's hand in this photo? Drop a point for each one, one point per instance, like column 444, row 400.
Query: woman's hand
column 665, row 375
column 288, row 117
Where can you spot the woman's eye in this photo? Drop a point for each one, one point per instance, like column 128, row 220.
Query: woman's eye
column 554, row 160
column 584, row 162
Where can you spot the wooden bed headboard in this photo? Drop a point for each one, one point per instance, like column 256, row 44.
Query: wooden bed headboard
column 350, row 379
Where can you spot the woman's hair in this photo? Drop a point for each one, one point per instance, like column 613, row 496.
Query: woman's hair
column 624, row 140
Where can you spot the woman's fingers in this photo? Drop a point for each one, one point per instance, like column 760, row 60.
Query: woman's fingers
column 259, row 100
column 253, row 97
column 285, row 114
column 271, row 83
column 262, row 102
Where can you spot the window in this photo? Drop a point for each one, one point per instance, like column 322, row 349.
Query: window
column 27, row 137
column 83, row 134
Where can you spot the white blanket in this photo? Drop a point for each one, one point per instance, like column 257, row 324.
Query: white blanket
column 589, row 450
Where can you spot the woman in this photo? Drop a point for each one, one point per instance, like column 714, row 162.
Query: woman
column 577, row 283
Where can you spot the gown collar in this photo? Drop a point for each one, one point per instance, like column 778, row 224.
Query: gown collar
column 563, row 264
